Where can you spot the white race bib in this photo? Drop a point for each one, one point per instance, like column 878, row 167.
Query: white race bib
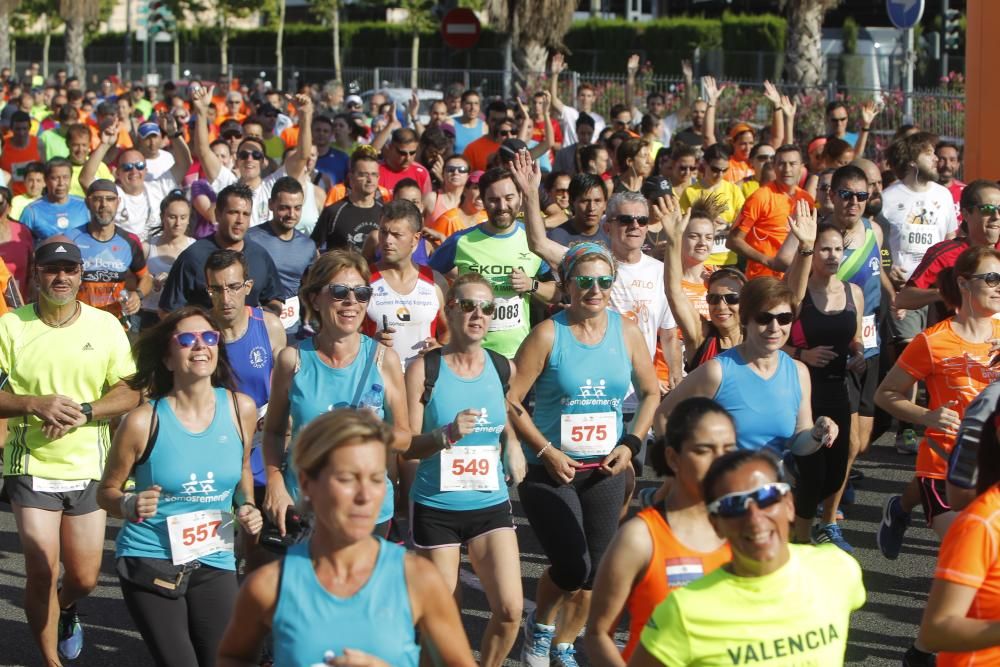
column 58, row 485
column 197, row 534
column 589, row 434
column 918, row 238
column 290, row 312
column 470, row 468
column 868, row 330
column 508, row 314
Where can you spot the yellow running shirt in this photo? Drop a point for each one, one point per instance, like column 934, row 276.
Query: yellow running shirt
column 795, row 617
column 78, row 361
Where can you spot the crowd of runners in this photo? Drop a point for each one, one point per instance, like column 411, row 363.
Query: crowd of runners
column 306, row 347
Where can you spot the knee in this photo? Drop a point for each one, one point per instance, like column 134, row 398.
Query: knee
column 83, row 582
column 572, row 574
column 40, row 571
column 509, row 612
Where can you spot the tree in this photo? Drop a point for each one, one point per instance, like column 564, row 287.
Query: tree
column 31, row 12
column 418, row 19
column 6, row 8
column 78, row 14
column 534, row 27
column 228, row 10
column 804, row 65
column 329, row 11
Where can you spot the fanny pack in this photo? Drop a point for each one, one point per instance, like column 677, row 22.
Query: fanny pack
column 156, row 575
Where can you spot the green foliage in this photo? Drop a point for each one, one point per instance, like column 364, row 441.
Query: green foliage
column 850, row 35
column 753, row 32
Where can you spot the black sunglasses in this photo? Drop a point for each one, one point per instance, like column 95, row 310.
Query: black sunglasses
column 132, row 166
column 624, row 219
column 732, row 298
column 339, row 292
column 456, row 169
column 992, row 279
column 246, row 155
column 847, row 194
column 765, row 318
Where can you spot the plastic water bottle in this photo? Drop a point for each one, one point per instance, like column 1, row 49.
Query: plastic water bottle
column 123, row 302
column 373, row 399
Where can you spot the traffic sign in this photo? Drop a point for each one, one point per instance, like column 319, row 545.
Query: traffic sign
column 905, row 14
column 460, row 28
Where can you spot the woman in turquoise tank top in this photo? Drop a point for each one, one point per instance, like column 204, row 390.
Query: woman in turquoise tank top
column 337, row 368
column 190, row 451
column 583, row 361
column 344, row 593
column 460, row 495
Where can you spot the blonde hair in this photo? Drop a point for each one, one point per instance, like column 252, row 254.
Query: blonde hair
column 333, row 430
column 322, row 272
column 471, row 278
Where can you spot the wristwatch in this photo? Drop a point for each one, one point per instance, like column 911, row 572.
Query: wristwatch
column 534, row 287
column 88, row 411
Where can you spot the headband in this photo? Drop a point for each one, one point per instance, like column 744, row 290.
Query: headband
column 579, row 251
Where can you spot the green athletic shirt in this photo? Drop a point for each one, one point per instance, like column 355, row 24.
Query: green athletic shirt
column 495, row 256
column 80, row 362
column 795, row 617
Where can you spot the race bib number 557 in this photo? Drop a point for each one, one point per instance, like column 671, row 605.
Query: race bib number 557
column 196, row 534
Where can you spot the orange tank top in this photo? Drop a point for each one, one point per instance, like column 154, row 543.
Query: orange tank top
column 672, row 566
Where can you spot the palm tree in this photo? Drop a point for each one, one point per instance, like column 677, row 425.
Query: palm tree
column 77, row 14
column 534, row 27
column 329, row 12
column 804, row 65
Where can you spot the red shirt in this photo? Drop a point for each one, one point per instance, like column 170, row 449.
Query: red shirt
column 388, row 178
column 955, row 188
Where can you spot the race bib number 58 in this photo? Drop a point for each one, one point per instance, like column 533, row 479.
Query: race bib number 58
column 196, row 534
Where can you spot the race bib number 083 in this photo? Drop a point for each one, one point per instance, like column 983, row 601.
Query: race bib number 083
column 507, row 314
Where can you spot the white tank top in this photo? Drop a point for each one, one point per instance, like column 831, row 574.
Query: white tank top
column 157, row 264
column 413, row 315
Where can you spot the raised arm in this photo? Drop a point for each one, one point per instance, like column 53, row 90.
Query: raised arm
column 788, row 109
column 555, row 69
column 777, row 117
column 631, row 69
column 392, row 123
column 667, row 211
column 201, row 98
column 109, row 138
column 295, row 166
column 803, row 226
column 869, row 110
column 178, row 147
column 527, row 177
column 712, row 94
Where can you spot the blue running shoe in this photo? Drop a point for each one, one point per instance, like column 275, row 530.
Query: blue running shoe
column 537, row 642
column 562, row 656
column 895, row 521
column 70, row 634
column 830, row 534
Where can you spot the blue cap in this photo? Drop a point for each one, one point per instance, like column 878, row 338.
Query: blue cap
column 148, row 129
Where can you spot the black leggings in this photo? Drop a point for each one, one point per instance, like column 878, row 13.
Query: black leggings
column 574, row 522
column 823, row 472
column 184, row 632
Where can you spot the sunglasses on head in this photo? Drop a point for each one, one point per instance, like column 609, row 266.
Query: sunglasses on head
column 987, row 209
column 339, row 292
column 246, row 155
column 189, row 338
column 992, row 279
column 586, row 282
column 623, row 219
column 469, row 305
column 456, row 169
column 132, row 166
column 765, row 318
column 731, row 298
column 846, row 195
column 735, row 505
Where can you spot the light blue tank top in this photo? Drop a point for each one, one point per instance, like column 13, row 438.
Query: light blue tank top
column 309, row 620
column 451, row 395
column 197, row 471
column 765, row 411
column 318, row 388
column 581, row 379
column 466, row 135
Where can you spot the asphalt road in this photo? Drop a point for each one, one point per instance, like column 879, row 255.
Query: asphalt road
column 880, row 632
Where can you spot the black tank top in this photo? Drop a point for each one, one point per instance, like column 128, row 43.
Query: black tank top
column 814, row 327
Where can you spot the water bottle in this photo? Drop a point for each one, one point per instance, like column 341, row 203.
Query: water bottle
column 123, row 302
column 373, row 399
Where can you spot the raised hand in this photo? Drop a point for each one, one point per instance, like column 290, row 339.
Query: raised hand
column 632, row 66
column 772, row 94
column 201, row 98
column 687, row 70
column 869, row 110
column 712, row 90
column 802, row 224
column 558, row 64
column 526, row 172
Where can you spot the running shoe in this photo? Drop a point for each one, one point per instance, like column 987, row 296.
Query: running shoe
column 70, row 634
column 839, row 516
column 855, row 475
column 914, row 657
column 537, row 643
column 894, row 524
column 645, row 497
column 562, row 656
column 906, row 442
column 830, row 534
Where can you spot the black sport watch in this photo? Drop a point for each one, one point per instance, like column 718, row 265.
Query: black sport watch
column 88, row 411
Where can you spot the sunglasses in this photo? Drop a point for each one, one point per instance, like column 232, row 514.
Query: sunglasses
column 246, row 155
column 406, row 153
column 735, row 505
column 687, row 169
column 215, row 290
column 56, row 269
column 469, row 305
column 765, row 158
column 232, row 134
column 132, row 166
column 339, row 292
column 586, row 282
column 765, row 318
column 505, row 133
column 456, row 169
column 823, row 187
column 717, row 170
column 987, row 209
column 715, row 299
column 561, row 191
column 835, row 119
column 641, row 220
column 847, row 194
column 189, row 338
column 992, row 279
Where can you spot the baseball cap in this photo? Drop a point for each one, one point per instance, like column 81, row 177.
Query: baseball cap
column 354, row 99
column 149, row 129
column 510, row 148
column 55, row 252
column 230, row 127
column 102, row 185
column 655, row 187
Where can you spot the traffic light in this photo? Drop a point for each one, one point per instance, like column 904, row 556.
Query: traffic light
column 156, row 17
column 951, row 33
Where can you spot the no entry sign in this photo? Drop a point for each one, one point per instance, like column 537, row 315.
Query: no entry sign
column 460, row 28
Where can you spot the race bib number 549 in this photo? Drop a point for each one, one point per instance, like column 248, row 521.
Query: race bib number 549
column 196, row 534
column 470, row 468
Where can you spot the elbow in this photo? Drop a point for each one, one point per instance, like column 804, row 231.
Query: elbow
column 934, row 635
column 106, row 502
column 882, row 399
